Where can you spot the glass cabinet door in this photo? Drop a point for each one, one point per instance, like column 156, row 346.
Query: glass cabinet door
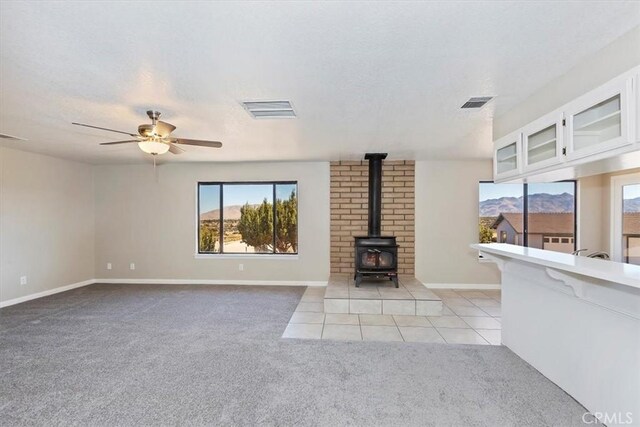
column 507, row 158
column 598, row 121
column 542, row 145
column 598, row 124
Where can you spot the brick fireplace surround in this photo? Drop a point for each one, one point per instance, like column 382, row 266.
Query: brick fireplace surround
column 349, row 189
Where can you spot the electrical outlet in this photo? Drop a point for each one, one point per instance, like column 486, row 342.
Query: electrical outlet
column 241, row 267
column 23, row 280
column 108, row 266
column 132, row 266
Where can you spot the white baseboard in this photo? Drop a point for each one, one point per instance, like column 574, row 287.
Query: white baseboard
column 212, row 282
column 46, row 293
column 481, row 286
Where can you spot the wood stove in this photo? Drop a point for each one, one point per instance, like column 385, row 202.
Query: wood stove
column 375, row 255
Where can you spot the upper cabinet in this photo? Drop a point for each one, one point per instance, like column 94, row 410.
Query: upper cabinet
column 543, row 141
column 600, row 120
column 597, row 127
column 508, row 156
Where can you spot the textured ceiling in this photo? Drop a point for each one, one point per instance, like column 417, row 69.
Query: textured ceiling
column 361, row 76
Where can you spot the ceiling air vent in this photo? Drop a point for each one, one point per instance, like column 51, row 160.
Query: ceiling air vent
column 12, row 138
column 477, row 102
column 269, row 109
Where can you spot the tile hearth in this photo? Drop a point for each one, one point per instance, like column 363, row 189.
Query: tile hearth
column 479, row 325
column 380, row 296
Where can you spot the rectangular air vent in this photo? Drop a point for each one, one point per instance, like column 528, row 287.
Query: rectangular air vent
column 269, row 109
column 13, row 138
column 477, row 102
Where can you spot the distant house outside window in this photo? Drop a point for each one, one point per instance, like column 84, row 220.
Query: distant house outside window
column 540, row 215
column 247, row 218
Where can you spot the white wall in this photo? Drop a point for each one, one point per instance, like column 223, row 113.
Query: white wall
column 593, row 71
column 447, row 222
column 153, row 224
column 593, row 214
column 594, row 204
column 46, row 223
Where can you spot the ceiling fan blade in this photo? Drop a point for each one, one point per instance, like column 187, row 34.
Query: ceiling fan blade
column 174, row 149
column 98, row 127
column 164, row 129
column 201, row 143
column 120, row 142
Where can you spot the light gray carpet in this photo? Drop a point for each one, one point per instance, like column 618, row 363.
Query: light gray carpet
column 212, row 355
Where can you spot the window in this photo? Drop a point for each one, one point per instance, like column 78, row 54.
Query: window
column 625, row 218
column 540, row 215
column 241, row 218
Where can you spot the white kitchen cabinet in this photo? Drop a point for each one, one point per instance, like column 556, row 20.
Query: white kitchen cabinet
column 542, row 142
column 601, row 120
column 598, row 132
column 507, row 159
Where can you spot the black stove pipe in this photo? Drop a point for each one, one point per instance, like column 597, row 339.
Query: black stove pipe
column 375, row 192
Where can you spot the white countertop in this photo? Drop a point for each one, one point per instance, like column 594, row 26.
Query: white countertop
column 612, row 271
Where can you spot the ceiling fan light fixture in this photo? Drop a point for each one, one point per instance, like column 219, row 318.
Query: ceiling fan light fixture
column 153, row 147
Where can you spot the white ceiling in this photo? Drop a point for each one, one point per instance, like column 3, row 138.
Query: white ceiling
column 361, row 76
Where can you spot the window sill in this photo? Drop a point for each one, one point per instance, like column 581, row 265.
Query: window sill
column 278, row 257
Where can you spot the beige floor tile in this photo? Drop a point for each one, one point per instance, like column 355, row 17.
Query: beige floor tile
column 482, row 322
column 461, row 336
column 400, row 307
column 395, row 294
column 493, row 311
column 447, row 322
column 341, row 319
column 484, row 302
column 314, row 307
column 413, row 334
column 446, row 311
column 364, row 294
column 467, row 311
column 445, row 293
column 493, row 336
column 342, row 333
column 420, row 321
column 493, row 293
column 472, row 294
column 303, row 330
column 458, row 302
column 381, row 333
column 377, row 320
column 337, row 293
column 315, row 290
column 429, row 308
column 307, row 317
column 336, row 305
column 313, row 298
column 362, row 306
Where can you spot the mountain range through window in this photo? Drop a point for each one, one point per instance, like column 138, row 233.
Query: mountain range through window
column 535, row 215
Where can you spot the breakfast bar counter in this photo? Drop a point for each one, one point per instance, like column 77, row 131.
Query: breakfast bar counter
column 576, row 320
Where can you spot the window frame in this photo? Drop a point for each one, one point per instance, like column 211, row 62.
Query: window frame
column 221, row 253
column 525, row 209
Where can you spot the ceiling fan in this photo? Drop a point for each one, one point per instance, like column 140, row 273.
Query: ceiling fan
column 155, row 138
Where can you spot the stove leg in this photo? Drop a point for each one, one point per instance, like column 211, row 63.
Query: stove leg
column 395, row 280
column 358, row 278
